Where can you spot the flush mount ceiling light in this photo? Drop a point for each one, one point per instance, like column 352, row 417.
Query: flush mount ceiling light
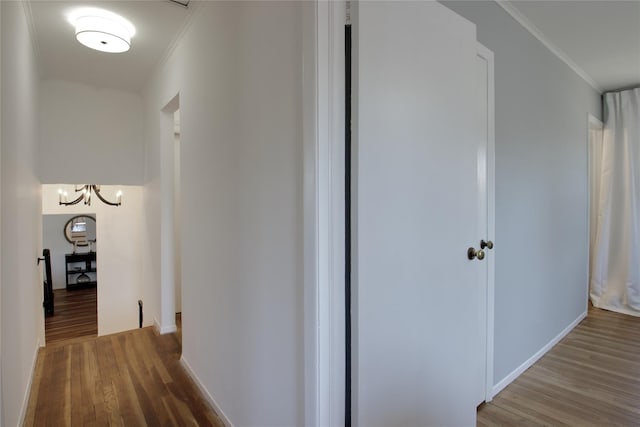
column 102, row 30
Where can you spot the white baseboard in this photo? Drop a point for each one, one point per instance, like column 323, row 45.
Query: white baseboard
column 164, row 329
column 227, row 422
column 533, row 359
column 27, row 393
column 168, row 329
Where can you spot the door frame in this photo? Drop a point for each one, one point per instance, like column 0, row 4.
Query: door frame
column 167, row 322
column 593, row 124
column 488, row 306
column 324, row 224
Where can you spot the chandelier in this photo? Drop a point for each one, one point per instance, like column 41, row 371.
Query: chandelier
column 86, row 194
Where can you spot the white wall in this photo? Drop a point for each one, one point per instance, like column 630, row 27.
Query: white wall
column 20, row 229
column 541, row 239
column 238, row 73
column 119, row 251
column 91, row 132
column 53, row 238
column 1, row 400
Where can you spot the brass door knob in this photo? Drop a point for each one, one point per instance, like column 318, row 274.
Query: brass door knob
column 472, row 253
column 488, row 244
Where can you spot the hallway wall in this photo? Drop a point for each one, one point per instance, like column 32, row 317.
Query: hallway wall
column 90, row 135
column 238, row 73
column 1, row 399
column 20, row 228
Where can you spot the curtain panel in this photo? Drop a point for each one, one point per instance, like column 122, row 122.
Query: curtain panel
column 615, row 190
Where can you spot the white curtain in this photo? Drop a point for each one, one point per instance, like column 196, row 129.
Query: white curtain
column 615, row 216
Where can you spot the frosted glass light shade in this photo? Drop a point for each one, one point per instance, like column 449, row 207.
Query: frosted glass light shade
column 103, row 34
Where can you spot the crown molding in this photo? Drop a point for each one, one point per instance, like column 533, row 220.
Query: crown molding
column 33, row 33
column 538, row 34
column 192, row 8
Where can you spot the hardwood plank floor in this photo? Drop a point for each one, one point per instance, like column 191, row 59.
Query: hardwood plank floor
column 590, row 378
column 129, row 379
column 75, row 315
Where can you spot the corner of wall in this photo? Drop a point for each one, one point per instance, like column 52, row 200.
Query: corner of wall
column 223, row 417
column 164, row 329
column 533, row 359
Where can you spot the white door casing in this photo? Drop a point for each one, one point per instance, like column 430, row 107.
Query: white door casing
column 486, row 216
column 323, row 123
column 167, row 322
column 595, row 129
column 416, row 294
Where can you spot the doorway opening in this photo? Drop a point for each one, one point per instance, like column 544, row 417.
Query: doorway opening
column 177, row 255
column 170, row 213
column 70, row 276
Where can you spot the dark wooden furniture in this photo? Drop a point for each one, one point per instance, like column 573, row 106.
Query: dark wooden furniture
column 78, row 266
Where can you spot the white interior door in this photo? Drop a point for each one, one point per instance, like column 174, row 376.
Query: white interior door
column 416, row 296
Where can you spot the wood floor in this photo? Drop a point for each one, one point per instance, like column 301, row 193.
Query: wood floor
column 75, row 315
column 129, row 379
column 591, row 378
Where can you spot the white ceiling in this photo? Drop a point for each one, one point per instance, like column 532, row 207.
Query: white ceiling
column 600, row 37
column 158, row 23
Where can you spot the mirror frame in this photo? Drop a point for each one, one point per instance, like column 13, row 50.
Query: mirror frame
column 66, row 226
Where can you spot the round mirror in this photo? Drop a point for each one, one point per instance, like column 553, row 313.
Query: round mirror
column 80, row 230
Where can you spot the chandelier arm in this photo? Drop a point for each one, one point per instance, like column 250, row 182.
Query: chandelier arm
column 97, row 193
column 73, row 202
